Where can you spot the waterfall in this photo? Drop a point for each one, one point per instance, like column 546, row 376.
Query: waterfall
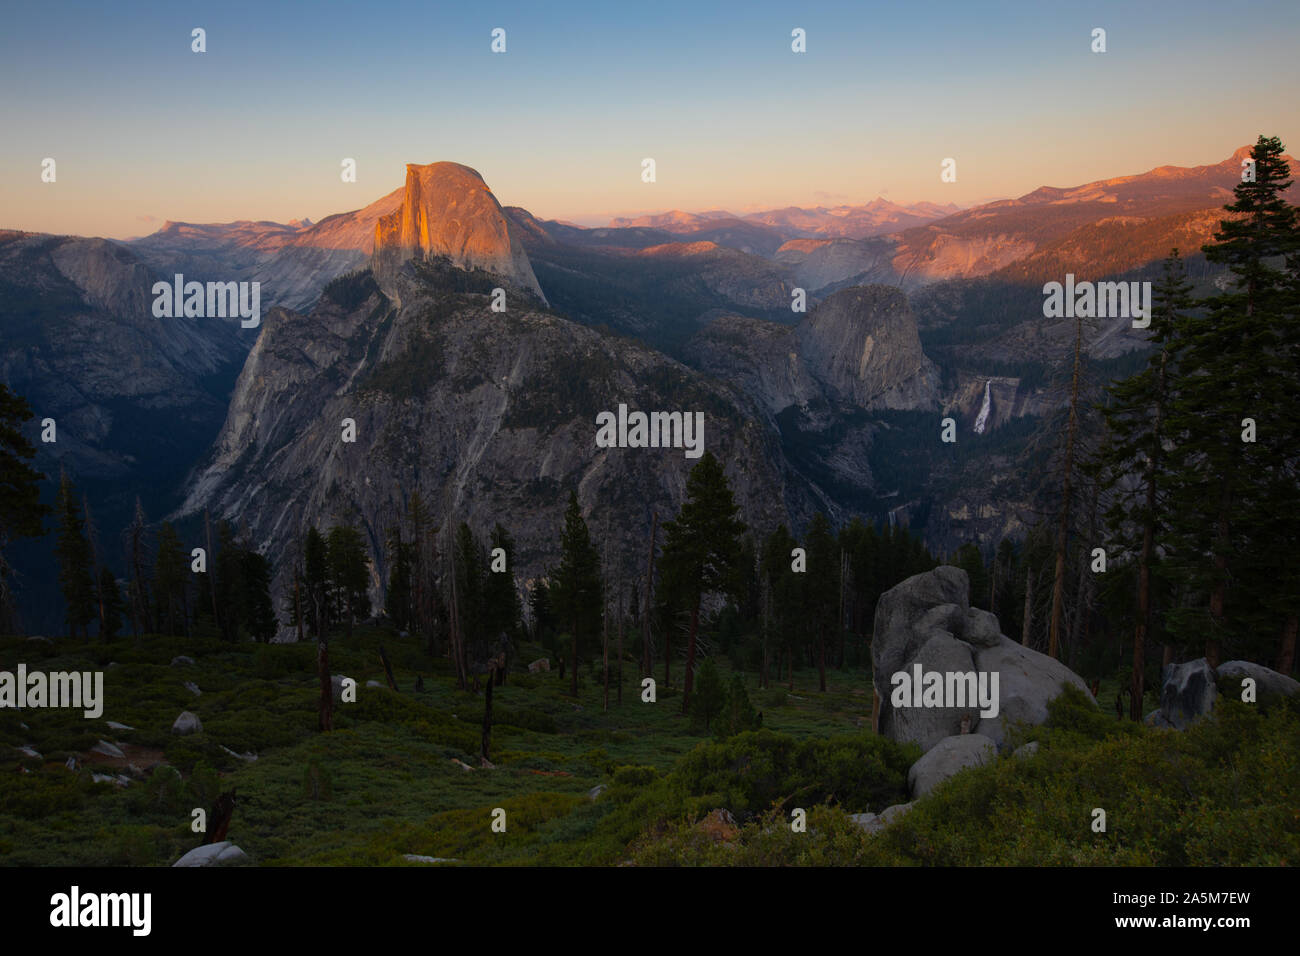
column 983, row 417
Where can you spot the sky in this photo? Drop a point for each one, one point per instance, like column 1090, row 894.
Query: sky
column 143, row 129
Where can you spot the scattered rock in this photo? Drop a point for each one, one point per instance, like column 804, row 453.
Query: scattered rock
column 336, row 682
column 187, row 723
column 868, row 821
column 948, row 757
column 719, row 826
column 874, row 823
column 193, row 688
column 1187, row 693
column 1026, row 750
column 416, row 858
column 213, row 854
column 539, row 665
column 178, row 661
column 1268, row 682
column 595, row 791
column 120, row 780
column 114, row 725
column 1157, row 719
column 981, row 628
column 895, row 813
column 107, row 749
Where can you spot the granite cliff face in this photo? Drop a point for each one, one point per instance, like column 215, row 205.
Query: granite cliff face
column 863, row 342
column 448, row 211
column 129, row 392
column 491, row 416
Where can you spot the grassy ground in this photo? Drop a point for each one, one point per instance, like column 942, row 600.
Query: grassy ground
column 388, row 781
column 383, row 784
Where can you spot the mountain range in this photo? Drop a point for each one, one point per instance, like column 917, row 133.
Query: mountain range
column 384, row 316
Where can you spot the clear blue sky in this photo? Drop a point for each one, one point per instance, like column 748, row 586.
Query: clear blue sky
column 144, row 130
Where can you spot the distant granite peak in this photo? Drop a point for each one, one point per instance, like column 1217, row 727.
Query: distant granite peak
column 448, row 210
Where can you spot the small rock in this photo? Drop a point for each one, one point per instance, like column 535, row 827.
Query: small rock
column 187, row 723
column 30, row 752
column 416, row 858
column 336, row 682
column 719, row 826
column 178, row 661
column 1157, row 719
column 114, row 725
column 373, row 683
column 946, row 758
column 193, row 688
column 868, row 821
column 39, row 637
column 1267, row 680
column 250, row 756
column 539, row 665
column 1188, row 692
column 895, row 813
column 595, row 791
column 72, row 763
column 213, row 854
column 107, row 749
column 486, row 764
column 118, row 780
column 1026, row 750
column 24, row 727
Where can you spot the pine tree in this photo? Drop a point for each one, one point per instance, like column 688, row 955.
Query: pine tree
column 315, row 578
column 256, row 609
column 171, row 575
column 1225, row 487
column 821, row 589
column 398, row 598
column 21, row 510
column 577, row 590
column 501, row 599
column 349, row 572
column 74, row 562
column 110, row 598
column 1136, row 421
column 710, row 703
column 702, row 550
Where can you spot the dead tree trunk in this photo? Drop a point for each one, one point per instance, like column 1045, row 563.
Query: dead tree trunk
column 388, row 670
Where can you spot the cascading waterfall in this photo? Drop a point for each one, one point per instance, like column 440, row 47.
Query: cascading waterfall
column 982, row 419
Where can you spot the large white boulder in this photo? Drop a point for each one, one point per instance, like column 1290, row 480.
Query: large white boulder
column 213, row 854
column 949, row 756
